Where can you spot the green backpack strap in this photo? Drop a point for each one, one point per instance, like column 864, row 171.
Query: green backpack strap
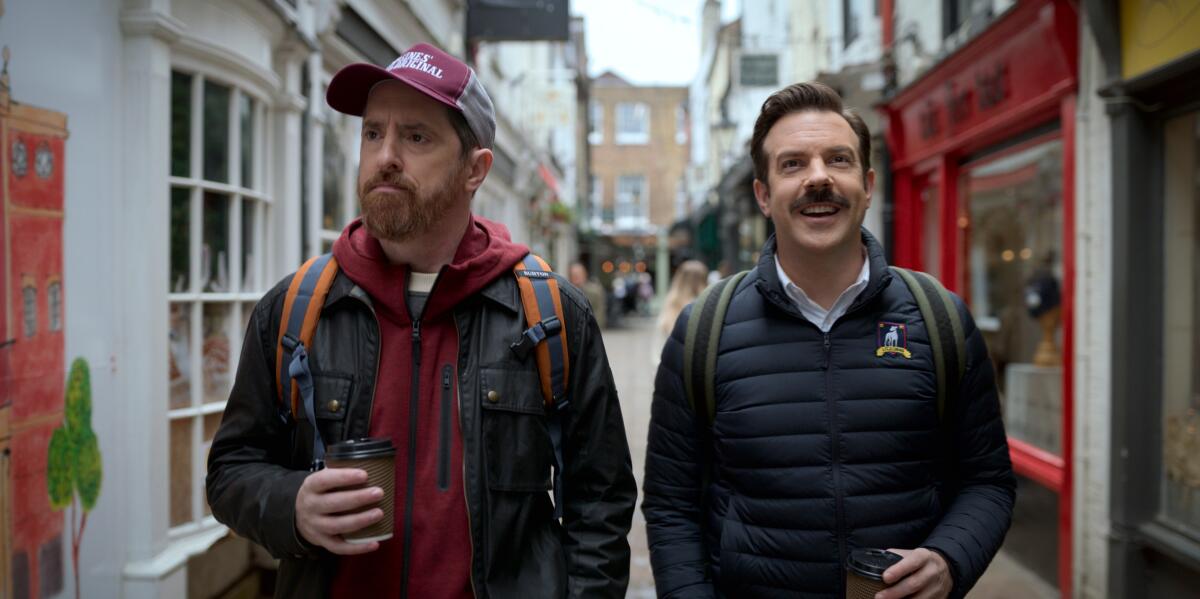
column 701, row 343
column 945, row 328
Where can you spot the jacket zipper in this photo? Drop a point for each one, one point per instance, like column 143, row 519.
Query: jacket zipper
column 835, row 452
column 466, row 495
column 444, row 432
column 410, row 476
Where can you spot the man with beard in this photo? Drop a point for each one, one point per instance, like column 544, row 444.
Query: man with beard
column 822, row 439
column 413, row 345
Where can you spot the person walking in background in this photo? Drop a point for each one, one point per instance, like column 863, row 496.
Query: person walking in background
column 418, row 343
column 593, row 290
column 826, row 433
column 690, row 278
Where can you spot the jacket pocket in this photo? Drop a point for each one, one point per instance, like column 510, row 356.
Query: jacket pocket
column 516, row 440
column 331, row 397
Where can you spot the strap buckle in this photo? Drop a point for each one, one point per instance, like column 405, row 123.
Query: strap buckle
column 535, row 334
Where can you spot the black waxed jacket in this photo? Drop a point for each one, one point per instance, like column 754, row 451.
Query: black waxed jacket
column 259, row 459
column 821, row 445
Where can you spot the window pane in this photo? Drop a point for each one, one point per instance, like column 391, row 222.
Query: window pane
column 211, row 423
column 246, row 114
column 214, row 254
column 180, row 346
column 181, row 471
column 1181, row 318
column 1014, row 272
column 247, row 312
column 216, row 352
column 181, row 236
column 332, row 181
column 216, row 132
column 249, row 250
column 633, row 123
column 181, row 124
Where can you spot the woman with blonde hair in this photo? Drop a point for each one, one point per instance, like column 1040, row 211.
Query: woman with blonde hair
column 690, row 279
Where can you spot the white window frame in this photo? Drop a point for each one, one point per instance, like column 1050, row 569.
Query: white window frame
column 194, row 299
column 595, row 123
column 681, row 124
column 632, row 120
column 596, row 202
column 632, row 208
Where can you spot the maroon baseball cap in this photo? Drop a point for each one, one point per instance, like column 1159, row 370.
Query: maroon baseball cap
column 427, row 70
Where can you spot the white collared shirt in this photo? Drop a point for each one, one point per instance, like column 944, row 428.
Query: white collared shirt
column 811, row 310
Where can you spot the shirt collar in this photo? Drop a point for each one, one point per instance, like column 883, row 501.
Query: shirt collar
column 798, row 294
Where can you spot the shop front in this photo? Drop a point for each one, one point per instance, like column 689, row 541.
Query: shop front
column 982, row 148
column 1151, row 55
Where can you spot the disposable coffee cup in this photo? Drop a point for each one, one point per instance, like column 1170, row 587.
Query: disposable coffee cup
column 378, row 458
column 864, row 572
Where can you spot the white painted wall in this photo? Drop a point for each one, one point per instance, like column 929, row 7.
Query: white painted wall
column 1093, row 305
column 66, row 57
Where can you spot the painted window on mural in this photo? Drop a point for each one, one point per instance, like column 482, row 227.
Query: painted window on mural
column 1013, row 272
column 29, row 308
column 1181, row 318
column 217, row 262
column 54, row 296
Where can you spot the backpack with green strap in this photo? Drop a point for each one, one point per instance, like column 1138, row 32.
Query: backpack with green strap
column 703, row 336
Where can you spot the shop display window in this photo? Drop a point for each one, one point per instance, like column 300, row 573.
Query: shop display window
column 1012, row 274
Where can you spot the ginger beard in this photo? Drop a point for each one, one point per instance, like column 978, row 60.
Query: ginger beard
column 400, row 216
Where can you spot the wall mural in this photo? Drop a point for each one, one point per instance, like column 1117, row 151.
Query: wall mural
column 32, row 389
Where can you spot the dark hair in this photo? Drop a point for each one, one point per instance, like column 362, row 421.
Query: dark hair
column 466, row 137
column 799, row 97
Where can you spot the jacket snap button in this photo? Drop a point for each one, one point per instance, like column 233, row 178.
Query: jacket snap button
column 493, row 396
column 334, row 405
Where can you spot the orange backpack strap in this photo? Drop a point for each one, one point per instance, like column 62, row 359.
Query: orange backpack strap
column 542, row 300
column 298, row 324
column 547, row 338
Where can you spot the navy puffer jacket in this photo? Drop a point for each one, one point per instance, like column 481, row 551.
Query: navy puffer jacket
column 818, row 447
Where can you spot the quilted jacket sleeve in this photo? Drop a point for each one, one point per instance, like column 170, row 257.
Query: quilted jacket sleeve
column 675, row 464
column 974, row 526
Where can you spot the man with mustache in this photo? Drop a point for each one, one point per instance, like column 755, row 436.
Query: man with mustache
column 823, row 439
column 413, row 345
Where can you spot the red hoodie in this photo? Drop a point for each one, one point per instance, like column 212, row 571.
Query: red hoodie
column 439, row 559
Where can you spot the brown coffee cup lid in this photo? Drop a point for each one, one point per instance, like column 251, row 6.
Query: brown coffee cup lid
column 358, row 449
column 871, row 563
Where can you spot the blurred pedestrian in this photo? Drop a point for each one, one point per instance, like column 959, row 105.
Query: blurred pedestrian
column 689, row 280
column 826, row 431
column 413, row 349
column 593, row 290
column 691, row 277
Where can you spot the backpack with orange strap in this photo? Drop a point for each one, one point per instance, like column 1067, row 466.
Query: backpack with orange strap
column 545, row 336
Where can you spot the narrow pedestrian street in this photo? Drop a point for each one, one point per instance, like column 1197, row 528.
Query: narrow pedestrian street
column 633, row 356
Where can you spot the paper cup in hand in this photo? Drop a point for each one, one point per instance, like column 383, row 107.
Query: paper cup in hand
column 378, row 458
column 864, row 572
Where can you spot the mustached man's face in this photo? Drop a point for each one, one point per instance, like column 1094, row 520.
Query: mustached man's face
column 411, row 173
column 816, row 193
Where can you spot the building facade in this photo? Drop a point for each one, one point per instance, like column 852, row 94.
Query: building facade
column 639, row 142
column 202, row 166
column 1140, row 526
column 981, row 130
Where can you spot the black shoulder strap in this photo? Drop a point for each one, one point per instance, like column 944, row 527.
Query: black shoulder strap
column 701, row 343
column 946, row 335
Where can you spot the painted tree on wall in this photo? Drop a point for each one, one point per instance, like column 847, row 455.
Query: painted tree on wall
column 73, row 468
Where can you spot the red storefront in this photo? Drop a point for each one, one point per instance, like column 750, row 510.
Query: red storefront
column 983, row 166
